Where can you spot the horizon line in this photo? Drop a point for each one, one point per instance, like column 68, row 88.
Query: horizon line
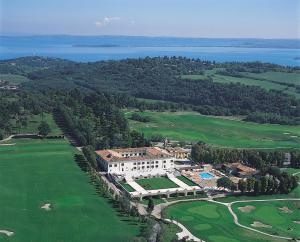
column 137, row 36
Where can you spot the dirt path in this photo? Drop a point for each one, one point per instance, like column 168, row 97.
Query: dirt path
column 235, row 217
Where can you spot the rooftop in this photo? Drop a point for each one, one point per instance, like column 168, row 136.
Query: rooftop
column 240, row 168
column 129, row 154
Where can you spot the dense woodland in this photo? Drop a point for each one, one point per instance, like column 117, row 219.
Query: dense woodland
column 90, row 119
column 261, row 160
column 161, row 79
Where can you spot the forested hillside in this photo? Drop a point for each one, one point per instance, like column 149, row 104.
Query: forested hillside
column 161, row 79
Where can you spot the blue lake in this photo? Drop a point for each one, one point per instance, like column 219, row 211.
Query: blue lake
column 94, row 48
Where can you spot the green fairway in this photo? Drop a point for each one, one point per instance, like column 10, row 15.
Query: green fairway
column 34, row 122
column 279, row 216
column 156, row 183
column 14, row 79
column 267, row 80
column 190, row 126
column 36, row 172
column 212, row 222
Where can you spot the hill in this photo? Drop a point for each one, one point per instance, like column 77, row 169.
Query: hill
column 160, row 79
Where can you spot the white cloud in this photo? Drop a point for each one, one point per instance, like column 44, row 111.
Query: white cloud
column 106, row 20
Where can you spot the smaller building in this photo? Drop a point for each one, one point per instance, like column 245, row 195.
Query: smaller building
column 239, row 170
column 287, row 159
column 178, row 152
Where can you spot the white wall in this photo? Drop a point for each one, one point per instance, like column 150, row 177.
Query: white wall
column 142, row 166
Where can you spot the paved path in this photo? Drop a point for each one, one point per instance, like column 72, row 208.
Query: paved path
column 135, row 186
column 185, row 233
column 16, row 135
column 178, row 182
column 236, row 221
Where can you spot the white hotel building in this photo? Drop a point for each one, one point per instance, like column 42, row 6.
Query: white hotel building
column 135, row 161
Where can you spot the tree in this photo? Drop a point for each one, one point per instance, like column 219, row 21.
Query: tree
column 150, row 205
column 44, row 129
column 257, row 187
column 250, row 184
column 225, row 182
column 242, row 185
column 264, row 184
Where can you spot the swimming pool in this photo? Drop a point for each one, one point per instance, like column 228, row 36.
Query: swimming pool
column 206, row 175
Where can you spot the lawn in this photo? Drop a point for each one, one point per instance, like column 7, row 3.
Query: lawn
column 212, row 222
column 36, row 172
column 127, row 187
column 156, row 183
column 280, row 215
column 190, row 126
column 186, row 181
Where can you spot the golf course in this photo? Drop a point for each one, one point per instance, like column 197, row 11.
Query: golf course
column 222, row 132
column 270, row 80
column 274, row 217
column 212, row 222
column 46, row 197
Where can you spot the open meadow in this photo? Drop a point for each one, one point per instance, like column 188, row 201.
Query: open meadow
column 222, row 132
column 46, row 197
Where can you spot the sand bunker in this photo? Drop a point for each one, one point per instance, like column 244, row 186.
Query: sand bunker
column 286, row 133
column 246, row 209
column 6, row 232
column 258, row 224
column 46, row 206
column 294, row 136
column 285, row 210
column 296, row 222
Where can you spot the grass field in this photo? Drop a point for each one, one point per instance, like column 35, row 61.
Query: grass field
column 36, row 172
column 190, row 126
column 34, row 122
column 278, row 215
column 156, row 183
column 267, row 80
column 212, row 222
column 127, row 187
column 13, row 79
column 186, row 180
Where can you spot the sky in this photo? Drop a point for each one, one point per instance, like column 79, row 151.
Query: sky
column 180, row 18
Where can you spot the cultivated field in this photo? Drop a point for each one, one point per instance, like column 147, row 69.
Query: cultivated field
column 190, row 126
column 46, row 197
column 212, row 222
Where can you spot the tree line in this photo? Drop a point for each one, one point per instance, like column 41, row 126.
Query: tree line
column 160, row 78
column 259, row 159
